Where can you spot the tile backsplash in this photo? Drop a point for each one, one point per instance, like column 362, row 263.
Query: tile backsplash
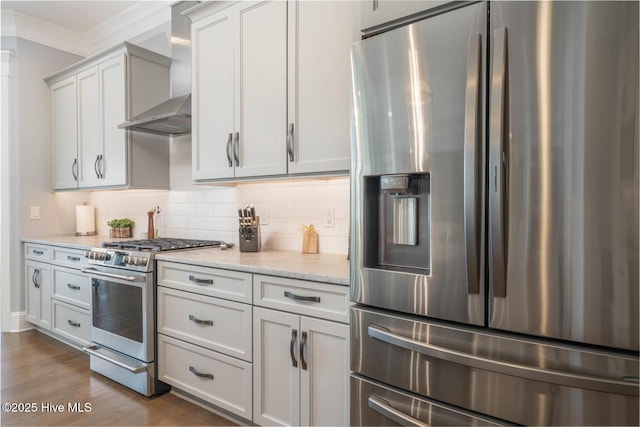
column 208, row 212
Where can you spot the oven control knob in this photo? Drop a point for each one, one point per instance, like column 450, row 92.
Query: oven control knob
column 127, row 260
column 141, row 262
column 101, row 256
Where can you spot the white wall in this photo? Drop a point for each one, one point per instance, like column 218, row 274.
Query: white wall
column 27, row 182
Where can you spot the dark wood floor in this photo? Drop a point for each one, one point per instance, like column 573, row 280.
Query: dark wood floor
column 39, row 369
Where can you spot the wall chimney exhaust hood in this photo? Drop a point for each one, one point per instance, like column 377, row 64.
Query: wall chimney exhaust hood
column 172, row 117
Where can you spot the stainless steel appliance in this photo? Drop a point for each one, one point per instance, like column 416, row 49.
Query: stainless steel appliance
column 494, row 256
column 123, row 310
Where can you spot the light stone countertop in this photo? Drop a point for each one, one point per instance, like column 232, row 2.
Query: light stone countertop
column 327, row 268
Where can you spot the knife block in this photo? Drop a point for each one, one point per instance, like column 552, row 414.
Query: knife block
column 249, row 237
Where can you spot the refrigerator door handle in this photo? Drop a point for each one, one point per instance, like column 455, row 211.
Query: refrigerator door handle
column 568, row 379
column 471, row 165
column 386, row 410
column 498, row 162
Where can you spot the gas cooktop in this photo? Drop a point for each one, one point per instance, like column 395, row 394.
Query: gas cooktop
column 161, row 244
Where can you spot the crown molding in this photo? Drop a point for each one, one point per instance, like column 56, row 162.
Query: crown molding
column 135, row 20
column 42, row 32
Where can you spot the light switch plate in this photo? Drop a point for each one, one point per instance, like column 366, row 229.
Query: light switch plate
column 35, row 212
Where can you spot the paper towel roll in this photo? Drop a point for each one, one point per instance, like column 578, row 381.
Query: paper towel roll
column 85, row 221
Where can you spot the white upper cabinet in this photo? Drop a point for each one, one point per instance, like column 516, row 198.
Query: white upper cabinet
column 261, row 111
column 270, row 88
column 89, row 127
column 65, row 133
column 212, row 99
column 89, row 100
column 320, row 37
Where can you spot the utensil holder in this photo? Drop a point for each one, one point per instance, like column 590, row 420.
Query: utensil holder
column 249, row 237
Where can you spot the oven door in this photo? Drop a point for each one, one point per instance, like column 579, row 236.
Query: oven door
column 122, row 311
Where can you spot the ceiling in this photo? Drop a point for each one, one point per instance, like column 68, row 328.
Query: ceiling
column 77, row 16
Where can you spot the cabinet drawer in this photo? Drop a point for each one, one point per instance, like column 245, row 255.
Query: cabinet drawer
column 71, row 322
column 217, row 324
column 232, row 285
column 37, row 252
column 228, row 386
column 72, row 286
column 69, row 257
column 321, row 300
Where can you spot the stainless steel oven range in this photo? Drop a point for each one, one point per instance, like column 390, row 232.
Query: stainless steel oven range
column 123, row 310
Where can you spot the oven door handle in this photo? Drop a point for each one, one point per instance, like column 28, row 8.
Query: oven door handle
column 114, row 276
column 133, row 369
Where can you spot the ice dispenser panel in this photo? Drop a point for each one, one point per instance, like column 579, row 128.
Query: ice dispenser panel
column 397, row 223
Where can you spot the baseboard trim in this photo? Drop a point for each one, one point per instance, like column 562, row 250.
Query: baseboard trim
column 18, row 322
column 211, row 408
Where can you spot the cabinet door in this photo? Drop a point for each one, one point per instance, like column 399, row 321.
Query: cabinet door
column 89, row 127
column 320, row 37
column 261, row 110
column 112, row 166
column 38, row 283
column 213, row 96
column 276, row 339
column 324, row 374
column 65, row 134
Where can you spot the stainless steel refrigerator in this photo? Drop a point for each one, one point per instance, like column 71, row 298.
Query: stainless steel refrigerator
column 495, row 224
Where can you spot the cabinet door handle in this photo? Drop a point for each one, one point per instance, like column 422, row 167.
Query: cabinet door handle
column 290, row 142
column 236, row 149
column 101, row 166
column 74, row 287
column 38, row 252
column 74, row 169
column 34, row 278
column 294, row 336
column 201, row 281
column 195, row 372
column 229, row 141
column 303, row 343
column 74, row 324
column 95, row 166
column 73, row 258
column 293, row 296
column 194, row 319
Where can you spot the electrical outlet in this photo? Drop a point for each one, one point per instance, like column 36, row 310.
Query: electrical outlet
column 35, row 212
column 264, row 218
column 330, row 218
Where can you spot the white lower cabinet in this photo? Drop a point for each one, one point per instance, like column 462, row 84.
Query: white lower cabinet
column 271, row 350
column 71, row 322
column 300, row 370
column 204, row 341
column 38, row 283
column 218, row 379
column 58, row 293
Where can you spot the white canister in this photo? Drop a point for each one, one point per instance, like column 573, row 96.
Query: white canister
column 85, row 221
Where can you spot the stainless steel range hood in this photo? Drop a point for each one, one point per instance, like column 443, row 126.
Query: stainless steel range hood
column 172, row 117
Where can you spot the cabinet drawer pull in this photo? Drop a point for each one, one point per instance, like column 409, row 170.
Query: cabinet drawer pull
column 73, row 258
column 74, row 324
column 74, row 287
column 290, row 295
column 38, row 252
column 201, row 281
column 194, row 319
column 294, row 336
column 200, row 374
